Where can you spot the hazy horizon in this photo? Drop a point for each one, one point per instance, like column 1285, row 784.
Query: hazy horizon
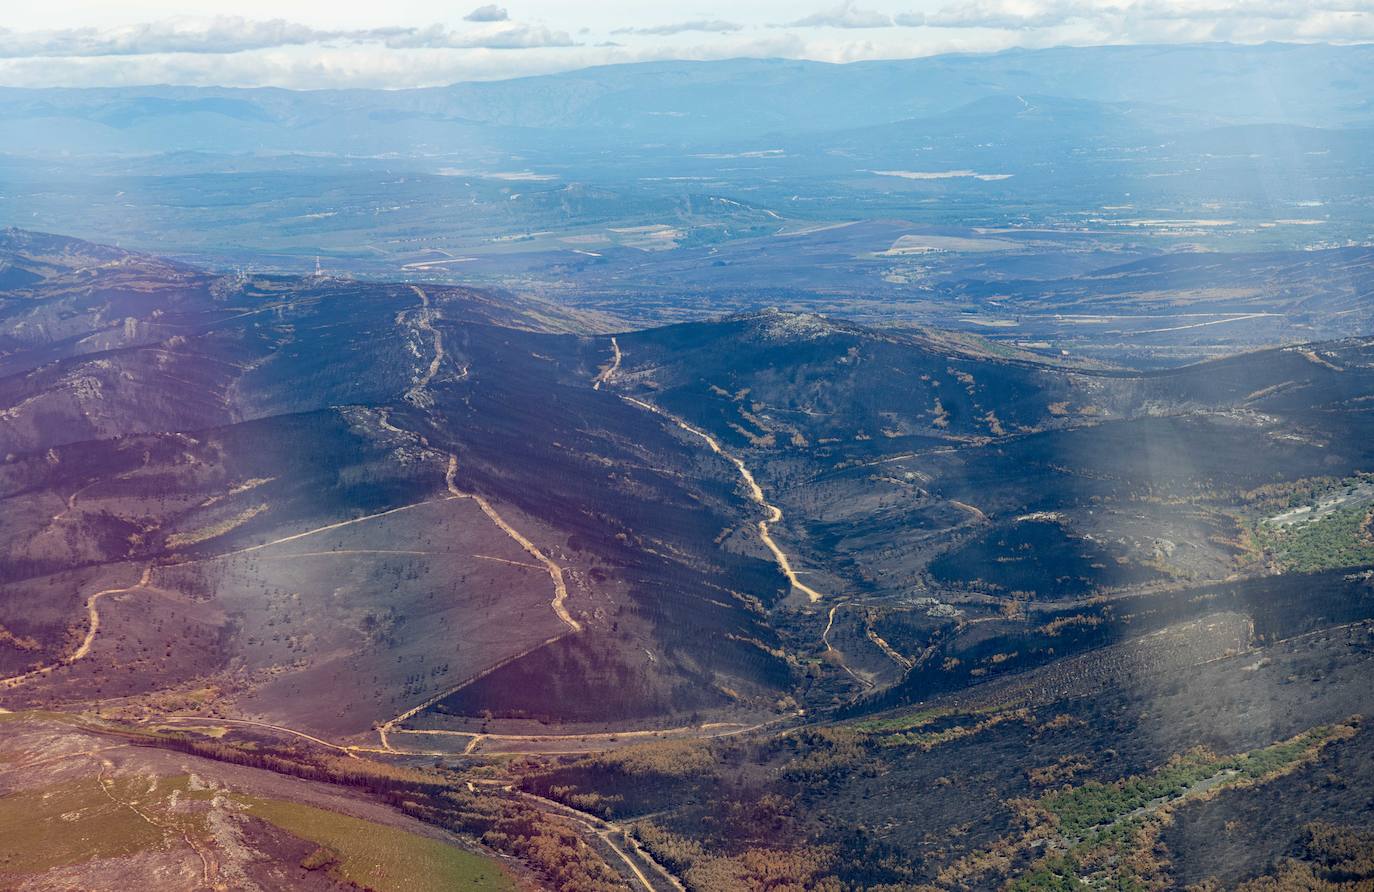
column 311, row 45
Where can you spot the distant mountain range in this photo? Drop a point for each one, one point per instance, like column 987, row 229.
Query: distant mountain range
column 713, row 102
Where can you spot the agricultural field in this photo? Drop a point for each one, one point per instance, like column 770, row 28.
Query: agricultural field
column 90, row 812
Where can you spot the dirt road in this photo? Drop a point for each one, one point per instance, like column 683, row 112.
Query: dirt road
column 560, row 587
column 605, row 375
column 839, row 657
column 418, row 394
column 773, row 512
column 92, row 627
column 209, row 720
column 641, row 865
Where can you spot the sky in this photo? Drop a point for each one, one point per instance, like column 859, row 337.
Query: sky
column 308, row 44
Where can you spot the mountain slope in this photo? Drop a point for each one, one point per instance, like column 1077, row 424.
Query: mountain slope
column 733, row 517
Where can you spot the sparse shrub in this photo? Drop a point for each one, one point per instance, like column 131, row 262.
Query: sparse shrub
column 321, row 857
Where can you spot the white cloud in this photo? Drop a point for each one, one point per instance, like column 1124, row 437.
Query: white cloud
column 305, row 68
column 1140, row 19
column 367, row 50
column 489, row 13
column 232, row 34
column 846, row 15
column 223, row 34
column 716, row 26
column 513, row 37
column 375, row 66
column 1012, row 14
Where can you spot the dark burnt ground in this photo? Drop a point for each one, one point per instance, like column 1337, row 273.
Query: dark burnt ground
column 900, row 811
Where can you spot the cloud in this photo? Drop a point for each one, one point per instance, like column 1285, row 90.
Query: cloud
column 846, row 15
column 1008, row 14
column 489, row 13
column 1131, row 17
column 233, row 51
column 303, row 68
column 515, row 37
column 715, row 26
column 226, row 35
column 1259, row 9
column 357, row 65
column 223, row 34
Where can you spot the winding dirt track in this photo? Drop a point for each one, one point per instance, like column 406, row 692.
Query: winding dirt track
column 604, row 831
column 92, row 626
column 417, row 394
column 839, row 657
column 755, row 495
column 206, row 720
column 604, row 376
column 636, row 860
column 71, row 502
column 560, row 587
column 888, row 649
column 708, row 731
column 779, row 556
